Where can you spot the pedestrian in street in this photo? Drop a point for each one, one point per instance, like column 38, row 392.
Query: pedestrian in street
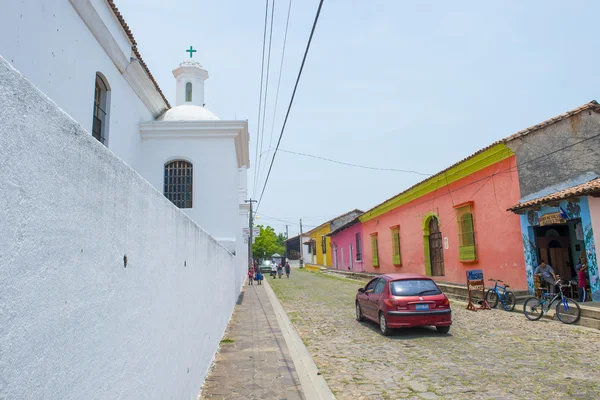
column 273, row 269
column 582, row 283
column 548, row 275
column 250, row 276
column 288, row 269
column 279, row 270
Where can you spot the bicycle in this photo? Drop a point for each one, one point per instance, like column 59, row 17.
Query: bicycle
column 506, row 297
column 567, row 310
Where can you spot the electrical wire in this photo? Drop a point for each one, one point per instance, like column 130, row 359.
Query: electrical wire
column 262, row 133
column 291, row 102
column 354, row 165
column 262, row 69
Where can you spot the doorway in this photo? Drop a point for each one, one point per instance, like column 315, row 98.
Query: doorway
column 436, row 249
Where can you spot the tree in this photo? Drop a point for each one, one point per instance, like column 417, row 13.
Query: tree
column 267, row 243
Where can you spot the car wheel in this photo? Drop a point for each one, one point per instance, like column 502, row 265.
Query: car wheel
column 443, row 329
column 383, row 326
column 359, row 315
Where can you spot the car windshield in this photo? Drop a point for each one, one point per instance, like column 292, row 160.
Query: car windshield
column 414, row 287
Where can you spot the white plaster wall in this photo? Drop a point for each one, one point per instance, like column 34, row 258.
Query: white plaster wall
column 594, row 204
column 216, row 180
column 74, row 323
column 47, row 41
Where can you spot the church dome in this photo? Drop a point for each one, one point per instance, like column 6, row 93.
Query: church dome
column 188, row 112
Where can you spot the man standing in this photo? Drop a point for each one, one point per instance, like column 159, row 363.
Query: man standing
column 273, row 269
column 548, row 275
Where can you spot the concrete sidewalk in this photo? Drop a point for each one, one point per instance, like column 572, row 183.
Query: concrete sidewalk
column 254, row 361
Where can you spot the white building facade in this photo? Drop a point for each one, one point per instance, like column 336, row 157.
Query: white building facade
column 104, row 274
column 91, row 68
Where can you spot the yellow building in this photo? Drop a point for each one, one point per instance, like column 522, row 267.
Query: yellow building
column 319, row 244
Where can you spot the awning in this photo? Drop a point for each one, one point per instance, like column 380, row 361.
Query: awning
column 588, row 188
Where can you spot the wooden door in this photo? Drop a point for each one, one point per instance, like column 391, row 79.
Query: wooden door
column 436, row 248
column 558, row 261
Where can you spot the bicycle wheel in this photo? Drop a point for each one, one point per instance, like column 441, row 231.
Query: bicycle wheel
column 533, row 308
column 568, row 311
column 492, row 298
column 510, row 301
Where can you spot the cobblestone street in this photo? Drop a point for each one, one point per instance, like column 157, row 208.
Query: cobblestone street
column 486, row 355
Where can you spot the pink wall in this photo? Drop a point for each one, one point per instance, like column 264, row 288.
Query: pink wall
column 497, row 231
column 343, row 240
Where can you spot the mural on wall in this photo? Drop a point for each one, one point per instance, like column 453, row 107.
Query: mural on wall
column 567, row 210
column 530, row 260
column 590, row 250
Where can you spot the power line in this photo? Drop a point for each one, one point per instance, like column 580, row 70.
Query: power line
column 262, row 69
column 262, row 133
column 280, row 70
column 291, row 101
column 354, row 165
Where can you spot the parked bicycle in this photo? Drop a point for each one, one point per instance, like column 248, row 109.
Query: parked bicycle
column 499, row 292
column 567, row 310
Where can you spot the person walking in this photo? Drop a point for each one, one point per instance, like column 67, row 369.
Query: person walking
column 288, row 269
column 273, row 269
column 279, row 270
column 250, row 276
column 259, row 278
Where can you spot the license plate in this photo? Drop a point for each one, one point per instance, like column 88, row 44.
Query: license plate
column 422, row 306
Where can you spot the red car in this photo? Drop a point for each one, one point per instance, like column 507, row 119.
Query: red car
column 402, row 301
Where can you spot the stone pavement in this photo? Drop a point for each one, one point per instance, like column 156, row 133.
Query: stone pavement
column 487, row 354
column 254, row 360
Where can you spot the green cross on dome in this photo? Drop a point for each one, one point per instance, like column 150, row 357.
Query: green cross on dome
column 191, row 51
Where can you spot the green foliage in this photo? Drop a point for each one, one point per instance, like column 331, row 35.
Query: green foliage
column 267, row 243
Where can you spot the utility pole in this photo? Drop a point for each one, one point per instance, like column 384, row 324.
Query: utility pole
column 250, row 226
column 286, row 232
column 301, row 250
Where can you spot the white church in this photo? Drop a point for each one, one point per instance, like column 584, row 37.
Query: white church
column 121, row 215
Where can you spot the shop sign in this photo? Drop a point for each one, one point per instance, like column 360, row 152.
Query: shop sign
column 551, row 219
column 475, row 284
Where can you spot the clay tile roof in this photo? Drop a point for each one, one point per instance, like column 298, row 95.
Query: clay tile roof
column 115, row 10
column 592, row 105
column 589, row 187
column 356, row 210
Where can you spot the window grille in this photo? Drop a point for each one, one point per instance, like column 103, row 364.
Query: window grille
column 358, row 248
column 466, row 234
column 396, row 255
column 374, row 250
column 324, row 244
column 179, row 183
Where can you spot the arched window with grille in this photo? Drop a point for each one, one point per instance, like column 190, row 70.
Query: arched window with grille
column 179, row 183
column 188, row 92
column 101, row 107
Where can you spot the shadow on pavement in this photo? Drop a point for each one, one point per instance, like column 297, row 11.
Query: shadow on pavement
column 409, row 333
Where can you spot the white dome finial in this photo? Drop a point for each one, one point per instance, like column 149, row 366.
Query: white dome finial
column 190, row 76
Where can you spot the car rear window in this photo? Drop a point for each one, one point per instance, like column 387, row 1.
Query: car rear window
column 414, row 287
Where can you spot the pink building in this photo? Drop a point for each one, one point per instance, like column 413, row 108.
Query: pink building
column 347, row 246
column 453, row 221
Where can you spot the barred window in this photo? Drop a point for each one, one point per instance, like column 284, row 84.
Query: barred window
column 179, row 183
column 396, row 256
column 466, row 234
column 324, row 244
column 374, row 250
column 358, row 248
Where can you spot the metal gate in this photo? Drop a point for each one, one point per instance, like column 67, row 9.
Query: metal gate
column 436, row 249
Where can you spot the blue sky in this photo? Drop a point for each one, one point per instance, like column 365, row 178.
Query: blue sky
column 390, row 84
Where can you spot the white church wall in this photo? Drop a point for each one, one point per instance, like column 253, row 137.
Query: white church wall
column 215, row 187
column 61, row 56
column 74, row 323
